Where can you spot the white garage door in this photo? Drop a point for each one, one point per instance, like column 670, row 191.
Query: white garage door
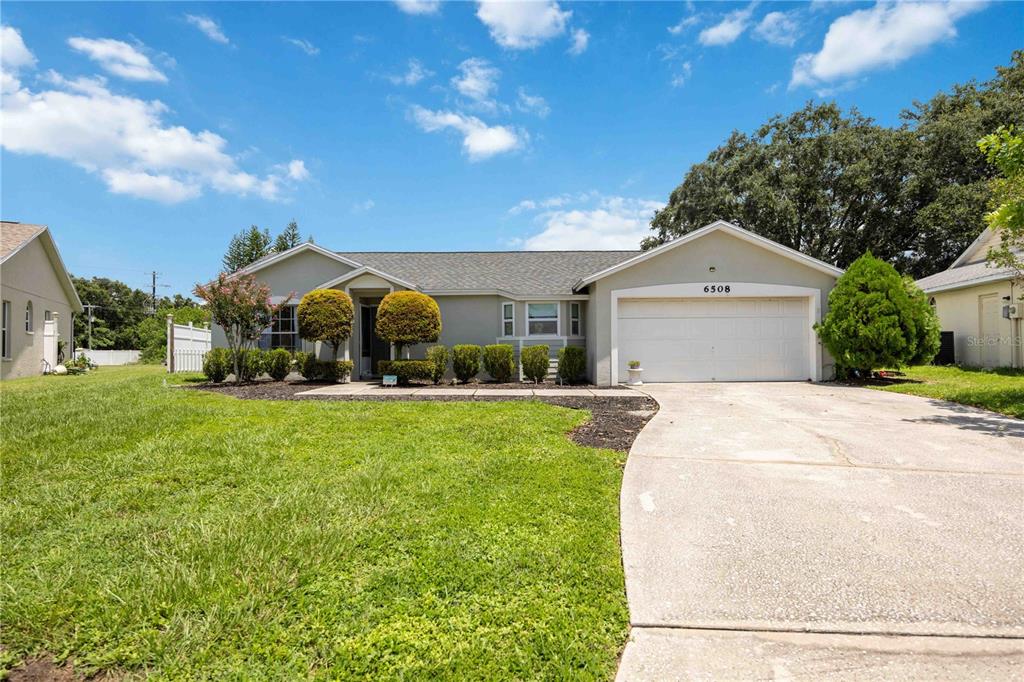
column 715, row 339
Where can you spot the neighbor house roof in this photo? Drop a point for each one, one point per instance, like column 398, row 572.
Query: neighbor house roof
column 518, row 273
column 15, row 236
column 964, row 276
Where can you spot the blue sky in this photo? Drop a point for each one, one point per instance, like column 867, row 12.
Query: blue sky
column 146, row 135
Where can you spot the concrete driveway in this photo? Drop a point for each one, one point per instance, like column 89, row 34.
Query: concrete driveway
column 820, row 531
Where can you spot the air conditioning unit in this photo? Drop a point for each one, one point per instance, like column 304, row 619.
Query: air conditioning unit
column 1014, row 311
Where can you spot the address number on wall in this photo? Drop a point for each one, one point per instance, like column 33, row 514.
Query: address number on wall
column 717, row 288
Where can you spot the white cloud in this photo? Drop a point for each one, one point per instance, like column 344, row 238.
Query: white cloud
column 479, row 140
column 684, row 23
column 477, row 80
column 683, row 75
column 556, row 201
column 363, row 206
column 613, row 223
column 419, row 6
column 118, row 58
column 522, row 25
column 778, row 28
column 883, row 35
column 580, row 40
column 127, row 142
column 532, row 104
column 13, row 53
column 728, row 29
column 209, row 27
column 304, row 45
column 413, row 74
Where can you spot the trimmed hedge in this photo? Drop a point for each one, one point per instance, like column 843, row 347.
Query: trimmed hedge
column 499, row 362
column 217, row 365
column 313, row 369
column 278, row 364
column 572, row 363
column 407, row 370
column 250, row 364
column 465, row 361
column 535, row 361
column 307, row 364
column 437, row 356
column 406, row 318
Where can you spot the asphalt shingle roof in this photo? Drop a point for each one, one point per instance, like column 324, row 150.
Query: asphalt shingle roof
column 13, row 235
column 963, row 275
column 523, row 273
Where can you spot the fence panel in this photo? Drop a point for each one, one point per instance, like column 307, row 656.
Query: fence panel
column 187, row 345
column 106, row 358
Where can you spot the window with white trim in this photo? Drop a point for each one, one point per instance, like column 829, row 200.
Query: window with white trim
column 6, row 341
column 283, row 331
column 508, row 319
column 575, row 320
column 29, row 322
column 542, row 319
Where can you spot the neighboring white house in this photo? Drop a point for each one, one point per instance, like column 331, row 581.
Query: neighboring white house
column 39, row 300
column 718, row 304
column 976, row 302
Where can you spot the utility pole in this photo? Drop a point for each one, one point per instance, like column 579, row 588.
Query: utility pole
column 89, row 307
column 154, row 292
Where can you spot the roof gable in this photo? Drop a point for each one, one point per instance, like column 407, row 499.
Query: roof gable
column 16, row 236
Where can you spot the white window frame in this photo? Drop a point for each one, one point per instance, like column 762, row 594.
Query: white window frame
column 557, row 318
column 5, row 351
column 269, row 332
column 575, row 320
column 511, row 319
column 30, row 319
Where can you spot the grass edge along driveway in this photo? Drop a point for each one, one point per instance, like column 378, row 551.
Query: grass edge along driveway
column 156, row 530
column 999, row 390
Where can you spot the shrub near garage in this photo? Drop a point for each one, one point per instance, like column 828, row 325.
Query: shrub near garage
column 536, row 360
column 572, row 363
column 499, row 362
column 437, row 356
column 465, row 361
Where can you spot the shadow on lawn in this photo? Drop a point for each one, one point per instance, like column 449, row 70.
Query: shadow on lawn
column 974, row 419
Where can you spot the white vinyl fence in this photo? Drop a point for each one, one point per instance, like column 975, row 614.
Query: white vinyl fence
column 186, row 346
column 106, row 358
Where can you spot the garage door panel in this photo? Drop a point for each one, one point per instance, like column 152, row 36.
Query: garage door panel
column 715, row 339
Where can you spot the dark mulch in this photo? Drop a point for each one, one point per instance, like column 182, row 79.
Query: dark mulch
column 614, row 423
column 44, row 669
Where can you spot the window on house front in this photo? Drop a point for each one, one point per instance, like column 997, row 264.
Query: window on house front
column 6, row 342
column 283, row 331
column 542, row 319
column 29, row 322
column 508, row 319
column 574, row 319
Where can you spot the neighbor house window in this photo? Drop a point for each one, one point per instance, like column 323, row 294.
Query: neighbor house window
column 574, row 319
column 47, row 315
column 542, row 319
column 283, row 330
column 508, row 319
column 7, row 330
column 29, row 326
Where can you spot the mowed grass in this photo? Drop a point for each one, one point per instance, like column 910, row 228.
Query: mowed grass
column 999, row 390
column 162, row 531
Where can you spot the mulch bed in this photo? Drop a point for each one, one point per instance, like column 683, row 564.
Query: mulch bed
column 614, row 423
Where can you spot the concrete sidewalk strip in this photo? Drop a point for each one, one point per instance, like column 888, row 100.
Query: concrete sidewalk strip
column 564, row 392
column 618, row 393
column 505, row 392
column 446, row 391
column 340, row 389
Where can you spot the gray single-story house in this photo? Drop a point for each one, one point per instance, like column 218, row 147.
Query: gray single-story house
column 718, row 304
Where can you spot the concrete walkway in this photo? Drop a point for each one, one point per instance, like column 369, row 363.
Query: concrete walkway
column 376, row 390
column 822, row 532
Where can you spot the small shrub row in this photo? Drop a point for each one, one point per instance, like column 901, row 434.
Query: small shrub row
column 438, row 356
column 407, row 370
column 499, row 362
column 277, row 364
column 313, row 369
column 465, row 361
column 572, row 363
column 535, row 362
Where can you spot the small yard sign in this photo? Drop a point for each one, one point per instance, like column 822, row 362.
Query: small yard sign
column 390, row 379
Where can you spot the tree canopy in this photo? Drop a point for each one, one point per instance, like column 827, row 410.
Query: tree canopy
column 835, row 184
column 1004, row 149
column 249, row 245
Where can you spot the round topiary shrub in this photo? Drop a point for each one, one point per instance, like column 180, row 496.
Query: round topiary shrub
column 536, row 360
column 278, row 364
column 572, row 363
column 405, row 318
column 465, row 361
column 876, row 319
column 326, row 315
column 217, row 365
column 499, row 362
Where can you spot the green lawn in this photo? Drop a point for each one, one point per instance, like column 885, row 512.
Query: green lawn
column 997, row 390
column 165, row 531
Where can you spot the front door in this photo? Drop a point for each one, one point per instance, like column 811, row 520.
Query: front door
column 372, row 347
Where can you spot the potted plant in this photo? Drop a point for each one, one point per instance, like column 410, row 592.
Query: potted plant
column 634, row 373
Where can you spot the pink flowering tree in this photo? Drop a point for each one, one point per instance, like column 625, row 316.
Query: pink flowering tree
column 242, row 308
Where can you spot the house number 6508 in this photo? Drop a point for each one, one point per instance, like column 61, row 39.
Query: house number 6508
column 717, row 288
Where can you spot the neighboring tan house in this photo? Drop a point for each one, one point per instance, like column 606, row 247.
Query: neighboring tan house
column 39, row 300
column 976, row 302
column 718, row 304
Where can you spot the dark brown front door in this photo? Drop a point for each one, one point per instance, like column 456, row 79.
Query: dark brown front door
column 371, row 345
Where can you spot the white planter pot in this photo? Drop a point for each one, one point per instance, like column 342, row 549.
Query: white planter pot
column 634, row 377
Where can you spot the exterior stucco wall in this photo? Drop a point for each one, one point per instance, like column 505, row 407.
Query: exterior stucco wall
column 735, row 261
column 959, row 311
column 29, row 276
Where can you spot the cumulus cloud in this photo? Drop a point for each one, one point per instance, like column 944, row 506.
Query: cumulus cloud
column 13, row 53
column 580, row 40
column 883, row 35
column 778, row 28
column 522, row 25
column 606, row 222
column 304, row 45
column 209, row 27
column 728, row 29
column 419, row 6
column 532, row 104
column 118, row 58
column 477, row 80
column 126, row 141
column 414, row 73
column 683, row 24
column 479, row 140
